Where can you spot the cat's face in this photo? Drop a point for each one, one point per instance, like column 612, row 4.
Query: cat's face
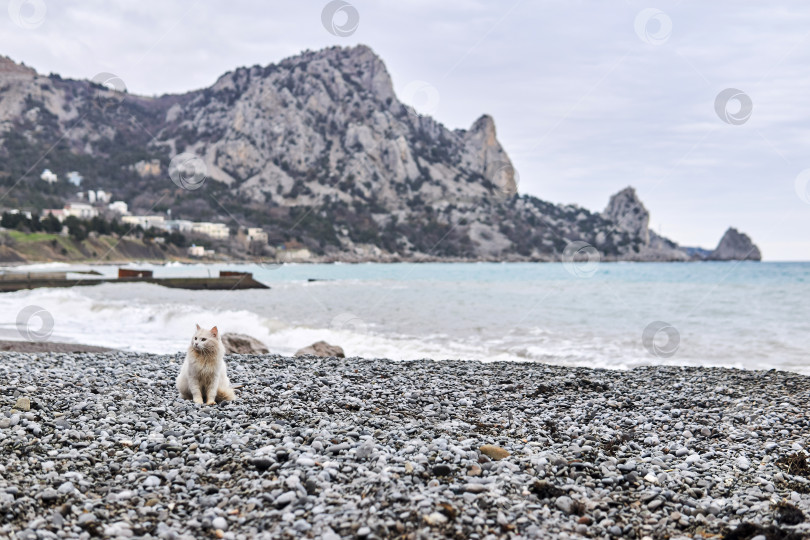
column 205, row 340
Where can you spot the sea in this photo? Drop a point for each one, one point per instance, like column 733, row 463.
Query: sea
column 604, row 315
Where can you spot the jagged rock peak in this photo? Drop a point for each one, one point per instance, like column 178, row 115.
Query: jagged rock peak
column 735, row 246
column 358, row 64
column 627, row 211
column 360, row 61
column 484, row 124
column 10, row 67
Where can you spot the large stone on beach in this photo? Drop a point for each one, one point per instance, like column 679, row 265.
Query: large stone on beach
column 322, row 349
column 243, row 344
column 565, row 503
column 23, row 404
column 494, row 452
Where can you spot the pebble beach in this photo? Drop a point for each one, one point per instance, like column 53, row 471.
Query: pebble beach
column 100, row 445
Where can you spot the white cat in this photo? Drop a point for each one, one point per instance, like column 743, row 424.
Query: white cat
column 204, row 377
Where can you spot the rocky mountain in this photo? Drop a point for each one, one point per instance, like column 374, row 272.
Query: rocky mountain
column 627, row 211
column 316, row 149
column 735, row 246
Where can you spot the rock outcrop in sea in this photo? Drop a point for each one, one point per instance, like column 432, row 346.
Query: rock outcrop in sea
column 735, row 246
column 626, row 210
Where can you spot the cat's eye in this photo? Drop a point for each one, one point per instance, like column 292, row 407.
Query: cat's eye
column 203, row 339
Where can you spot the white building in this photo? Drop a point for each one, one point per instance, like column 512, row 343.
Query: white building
column 48, row 176
column 80, row 210
column 256, row 234
column 93, row 197
column 74, row 178
column 146, row 222
column 214, row 230
column 16, row 211
column 119, row 207
column 295, row 251
column 180, row 225
column 196, row 251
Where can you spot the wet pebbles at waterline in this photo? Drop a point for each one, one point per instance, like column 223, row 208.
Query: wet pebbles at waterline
column 100, row 445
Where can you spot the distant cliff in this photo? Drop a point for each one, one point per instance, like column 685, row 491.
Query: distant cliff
column 735, row 246
column 317, row 149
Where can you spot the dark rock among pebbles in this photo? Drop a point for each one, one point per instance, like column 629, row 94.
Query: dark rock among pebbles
column 333, row 448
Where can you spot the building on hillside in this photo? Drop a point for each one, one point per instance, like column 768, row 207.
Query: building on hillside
column 74, row 178
column 94, row 196
column 179, row 225
column 119, row 207
column 16, row 211
column 48, row 176
column 80, row 210
column 145, row 222
column 256, row 234
column 295, row 251
column 196, row 251
column 214, row 230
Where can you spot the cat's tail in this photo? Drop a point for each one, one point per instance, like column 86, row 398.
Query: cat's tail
column 225, row 394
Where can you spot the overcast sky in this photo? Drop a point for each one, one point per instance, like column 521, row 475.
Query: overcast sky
column 588, row 97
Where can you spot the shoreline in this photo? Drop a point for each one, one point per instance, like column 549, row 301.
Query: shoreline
column 163, row 262
column 368, row 448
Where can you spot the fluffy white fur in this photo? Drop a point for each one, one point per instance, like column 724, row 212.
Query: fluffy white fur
column 204, row 376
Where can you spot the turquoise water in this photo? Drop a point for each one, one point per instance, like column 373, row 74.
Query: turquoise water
column 751, row 315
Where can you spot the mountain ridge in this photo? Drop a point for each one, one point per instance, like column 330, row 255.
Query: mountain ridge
column 316, row 149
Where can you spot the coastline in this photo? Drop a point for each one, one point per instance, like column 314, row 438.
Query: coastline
column 132, row 250
column 343, row 260
column 372, row 448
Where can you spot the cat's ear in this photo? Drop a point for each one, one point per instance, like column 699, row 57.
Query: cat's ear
column 215, row 331
column 198, row 326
